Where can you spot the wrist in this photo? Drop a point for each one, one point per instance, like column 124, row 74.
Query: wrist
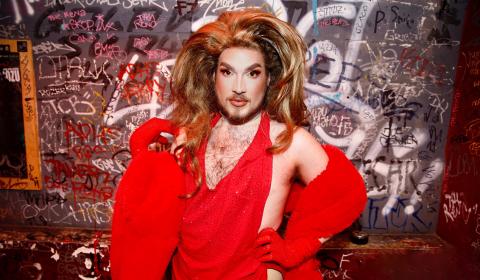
column 309, row 246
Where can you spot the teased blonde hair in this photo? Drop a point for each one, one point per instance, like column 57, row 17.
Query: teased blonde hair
column 193, row 85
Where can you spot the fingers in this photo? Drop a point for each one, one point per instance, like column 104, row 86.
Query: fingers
column 158, row 146
column 263, row 240
column 264, row 244
column 266, row 258
column 145, row 134
column 261, row 252
column 265, row 236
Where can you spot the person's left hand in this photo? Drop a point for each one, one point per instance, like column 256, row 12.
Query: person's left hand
column 287, row 253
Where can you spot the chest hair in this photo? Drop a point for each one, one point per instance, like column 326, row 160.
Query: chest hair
column 225, row 147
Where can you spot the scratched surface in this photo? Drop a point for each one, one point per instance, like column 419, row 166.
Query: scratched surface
column 379, row 86
column 54, row 254
column 460, row 205
column 81, row 254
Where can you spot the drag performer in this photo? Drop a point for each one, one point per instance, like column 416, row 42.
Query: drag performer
column 212, row 207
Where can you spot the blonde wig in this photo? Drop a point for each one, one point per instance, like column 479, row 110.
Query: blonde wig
column 193, row 84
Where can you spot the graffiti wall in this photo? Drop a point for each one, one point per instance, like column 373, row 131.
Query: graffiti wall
column 379, row 85
column 460, row 206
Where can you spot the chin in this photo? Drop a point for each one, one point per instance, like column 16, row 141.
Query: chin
column 236, row 117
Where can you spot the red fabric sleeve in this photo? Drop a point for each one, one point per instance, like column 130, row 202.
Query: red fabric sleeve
column 148, row 133
column 293, row 196
column 147, row 216
column 327, row 205
column 331, row 201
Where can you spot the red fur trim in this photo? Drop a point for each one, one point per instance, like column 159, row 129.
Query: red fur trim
column 147, row 216
column 328, row 204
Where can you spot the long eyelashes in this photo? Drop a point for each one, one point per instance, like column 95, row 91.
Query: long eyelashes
column 253, row 74
column 226, row 72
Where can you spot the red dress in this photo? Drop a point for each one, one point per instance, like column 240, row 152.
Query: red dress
column 147, row 222
column 219, row 226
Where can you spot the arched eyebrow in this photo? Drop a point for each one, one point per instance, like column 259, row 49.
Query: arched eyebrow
column 253, row 66
column 249, row 68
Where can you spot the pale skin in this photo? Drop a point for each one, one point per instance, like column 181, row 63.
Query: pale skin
column 240, row 84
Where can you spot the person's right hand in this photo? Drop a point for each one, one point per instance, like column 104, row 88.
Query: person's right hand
column 148, row 133
column 179, row 140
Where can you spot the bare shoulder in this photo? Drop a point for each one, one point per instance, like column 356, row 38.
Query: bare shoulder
column 305, row 154
column 309, row 156
column 304, row 143
column 302, row 140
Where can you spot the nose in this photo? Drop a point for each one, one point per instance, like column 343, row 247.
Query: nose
column 239, row 86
